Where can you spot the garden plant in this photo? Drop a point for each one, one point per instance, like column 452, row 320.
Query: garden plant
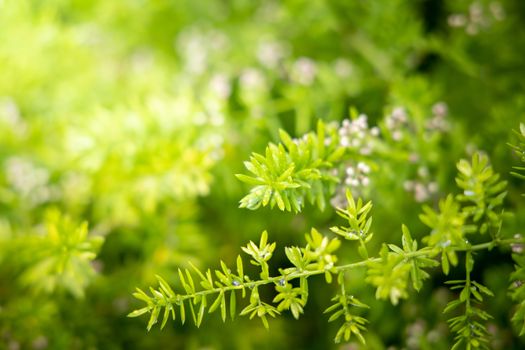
column 206, row 174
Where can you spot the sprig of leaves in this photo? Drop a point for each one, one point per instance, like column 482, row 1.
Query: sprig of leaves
column 418, row 259
column 315, row 258
column 448, row 230
column 390, row 273
column 261, row 254
column 356, row 213
column 483, row 191
column 471, row 332
column 352, row 324
column 294, row 171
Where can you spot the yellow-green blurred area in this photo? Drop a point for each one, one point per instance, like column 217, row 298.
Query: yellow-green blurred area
column 122, row 124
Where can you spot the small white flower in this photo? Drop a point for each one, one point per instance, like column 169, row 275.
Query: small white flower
column 457, row 20
column 497, row 11
column 366, row 151
column 397, row 135
column 220, row 85
column 362, row 121
column 356, row 143
column 304, row 71
column 420, row 192
column 476, row 12
column 362, row 167
column 251, row 78
column 352, row 182
column 399, row 114
column 270, row 53
column 440, row 109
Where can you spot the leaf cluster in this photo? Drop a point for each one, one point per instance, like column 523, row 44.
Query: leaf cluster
column 390, row 273
column 469, row 327
column 483, row 191
column 474, row 211
column 63, row 259
column 293, row 172
column 352, row 324
column 357, row 215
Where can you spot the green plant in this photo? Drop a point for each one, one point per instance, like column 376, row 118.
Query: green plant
column 459, row 218
column 133, row 116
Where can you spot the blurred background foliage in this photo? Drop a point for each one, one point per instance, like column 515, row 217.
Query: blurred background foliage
column 122, row 124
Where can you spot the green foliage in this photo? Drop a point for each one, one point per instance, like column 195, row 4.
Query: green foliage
column 517, row 290
column 418, row 259
column 291, row 298
column 352, row 324
column 132, row 116
column 448, row 229
column 519, row 149
column 315, row 258
column 293, row 171
column 470, row 327
column 390, row 273
column 359, row 223
column 318, row 253
column 482, row 189
column 63, row 256
column 260, row 254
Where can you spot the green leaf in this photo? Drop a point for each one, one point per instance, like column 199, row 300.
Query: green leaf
column 165, row 287
column 444, row 263
column 452, row 305
column 153, row 318
column 336, row 315
column 182, row 312
column 202, row 309
column 396, row 249
column 217, row 302
column 240, row 271
column 139, row 312
column 232, row 305
column 192, row 310
column 250, row 180
column 483, row 289
column 167, row 309
column 223, row 308
column 139, row 294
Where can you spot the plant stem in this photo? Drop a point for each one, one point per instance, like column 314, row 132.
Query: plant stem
column 430, row 252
